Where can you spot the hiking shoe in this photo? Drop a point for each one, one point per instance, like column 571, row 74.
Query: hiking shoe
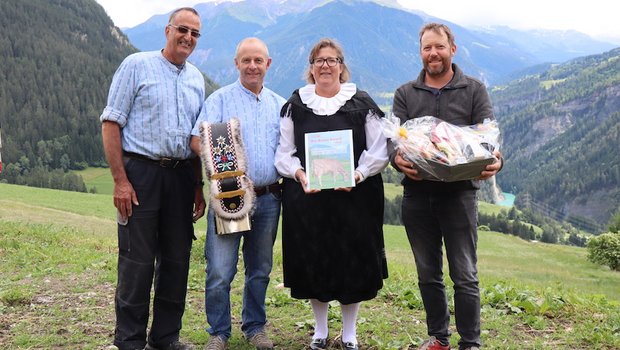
column 318, row 344
column 114, row 347
column 216, row 343
column 261, row 341
column 433, row 344
column 175, row 345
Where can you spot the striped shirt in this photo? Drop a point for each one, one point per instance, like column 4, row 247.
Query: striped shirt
column 156, row 105
column 259, row 118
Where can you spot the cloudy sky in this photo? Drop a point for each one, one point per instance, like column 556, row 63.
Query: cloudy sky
column 597, row 18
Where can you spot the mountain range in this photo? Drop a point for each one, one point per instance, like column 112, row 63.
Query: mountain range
column 560, row 122
column 380, row 39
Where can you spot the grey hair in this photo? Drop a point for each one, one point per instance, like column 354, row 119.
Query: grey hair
column 250, row 39
column 176, row 12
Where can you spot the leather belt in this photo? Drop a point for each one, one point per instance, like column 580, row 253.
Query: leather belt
column 163, row 162
column 275, row 187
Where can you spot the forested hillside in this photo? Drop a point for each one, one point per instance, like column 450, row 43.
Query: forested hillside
column 561, row 134
column 58, row 58
column 55, row 70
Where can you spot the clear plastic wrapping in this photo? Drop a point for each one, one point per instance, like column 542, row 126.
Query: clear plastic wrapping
column 442, row 151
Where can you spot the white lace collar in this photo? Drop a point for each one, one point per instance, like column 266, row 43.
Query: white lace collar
column 326, row 105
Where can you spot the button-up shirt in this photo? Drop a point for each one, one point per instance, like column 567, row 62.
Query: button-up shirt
column 259, row 119
column 156, row 103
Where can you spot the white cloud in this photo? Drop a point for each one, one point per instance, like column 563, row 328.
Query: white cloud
column 597, row 18
column 130, row 13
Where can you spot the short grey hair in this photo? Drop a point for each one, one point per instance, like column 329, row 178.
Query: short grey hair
column 175, row 12
column 251, row 39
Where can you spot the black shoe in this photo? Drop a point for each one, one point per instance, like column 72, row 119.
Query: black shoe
column 318, row 344
column 114, row 347
column 175, row 345
column 349, row 346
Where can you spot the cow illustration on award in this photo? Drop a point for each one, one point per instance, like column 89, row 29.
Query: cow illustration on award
column 331, row 168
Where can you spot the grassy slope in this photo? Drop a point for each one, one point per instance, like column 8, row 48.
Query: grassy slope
column 99, row 178
column 57, row 262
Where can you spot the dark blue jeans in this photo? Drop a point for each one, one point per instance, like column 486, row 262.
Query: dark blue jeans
column 432, row 220
column 154, row 249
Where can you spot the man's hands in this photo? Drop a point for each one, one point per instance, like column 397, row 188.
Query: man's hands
column 493, row 168
column 124, row 198
column 199, row 204
column 406, row 167
column 124, row 195
column 409, row 170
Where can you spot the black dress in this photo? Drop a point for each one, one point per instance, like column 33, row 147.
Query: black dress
column 333, row 240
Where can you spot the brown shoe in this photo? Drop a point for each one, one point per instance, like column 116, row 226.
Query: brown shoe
column 216, row 343
column 261, row 341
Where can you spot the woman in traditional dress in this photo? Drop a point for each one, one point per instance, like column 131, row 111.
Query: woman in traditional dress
column 332, row 238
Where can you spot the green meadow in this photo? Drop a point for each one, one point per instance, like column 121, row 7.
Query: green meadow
column 98, row 179
column 58, row 270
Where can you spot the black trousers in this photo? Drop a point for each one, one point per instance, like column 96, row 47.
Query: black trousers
column 154, row 250
column 432, row 221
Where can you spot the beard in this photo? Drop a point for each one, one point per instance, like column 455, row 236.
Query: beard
column 437, row 71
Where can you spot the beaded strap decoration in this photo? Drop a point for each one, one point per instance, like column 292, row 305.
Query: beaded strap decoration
column 223, row 156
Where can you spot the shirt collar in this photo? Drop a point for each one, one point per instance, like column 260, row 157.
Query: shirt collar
column 259, row 97
column 326, row 105
column 174, row 67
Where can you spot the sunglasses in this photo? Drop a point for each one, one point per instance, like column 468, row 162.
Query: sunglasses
column 184, row 30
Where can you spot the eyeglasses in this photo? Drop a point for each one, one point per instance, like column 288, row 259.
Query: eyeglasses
column 184, row 30
column 331, row 61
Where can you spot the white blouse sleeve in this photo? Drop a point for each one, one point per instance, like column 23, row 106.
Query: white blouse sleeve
column 286, row 163
column 375, row 158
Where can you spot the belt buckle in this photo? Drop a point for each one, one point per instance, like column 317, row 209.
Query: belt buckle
column 168, row 162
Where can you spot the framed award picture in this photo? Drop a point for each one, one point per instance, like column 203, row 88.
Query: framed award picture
column 329, row 159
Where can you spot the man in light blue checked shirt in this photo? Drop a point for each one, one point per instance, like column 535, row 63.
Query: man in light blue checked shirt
column 153, row 103
column 258, row 110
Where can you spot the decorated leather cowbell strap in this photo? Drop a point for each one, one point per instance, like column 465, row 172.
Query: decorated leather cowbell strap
column 223, row 156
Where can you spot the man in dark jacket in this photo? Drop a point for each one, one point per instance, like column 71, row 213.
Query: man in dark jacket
column 435, row 212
